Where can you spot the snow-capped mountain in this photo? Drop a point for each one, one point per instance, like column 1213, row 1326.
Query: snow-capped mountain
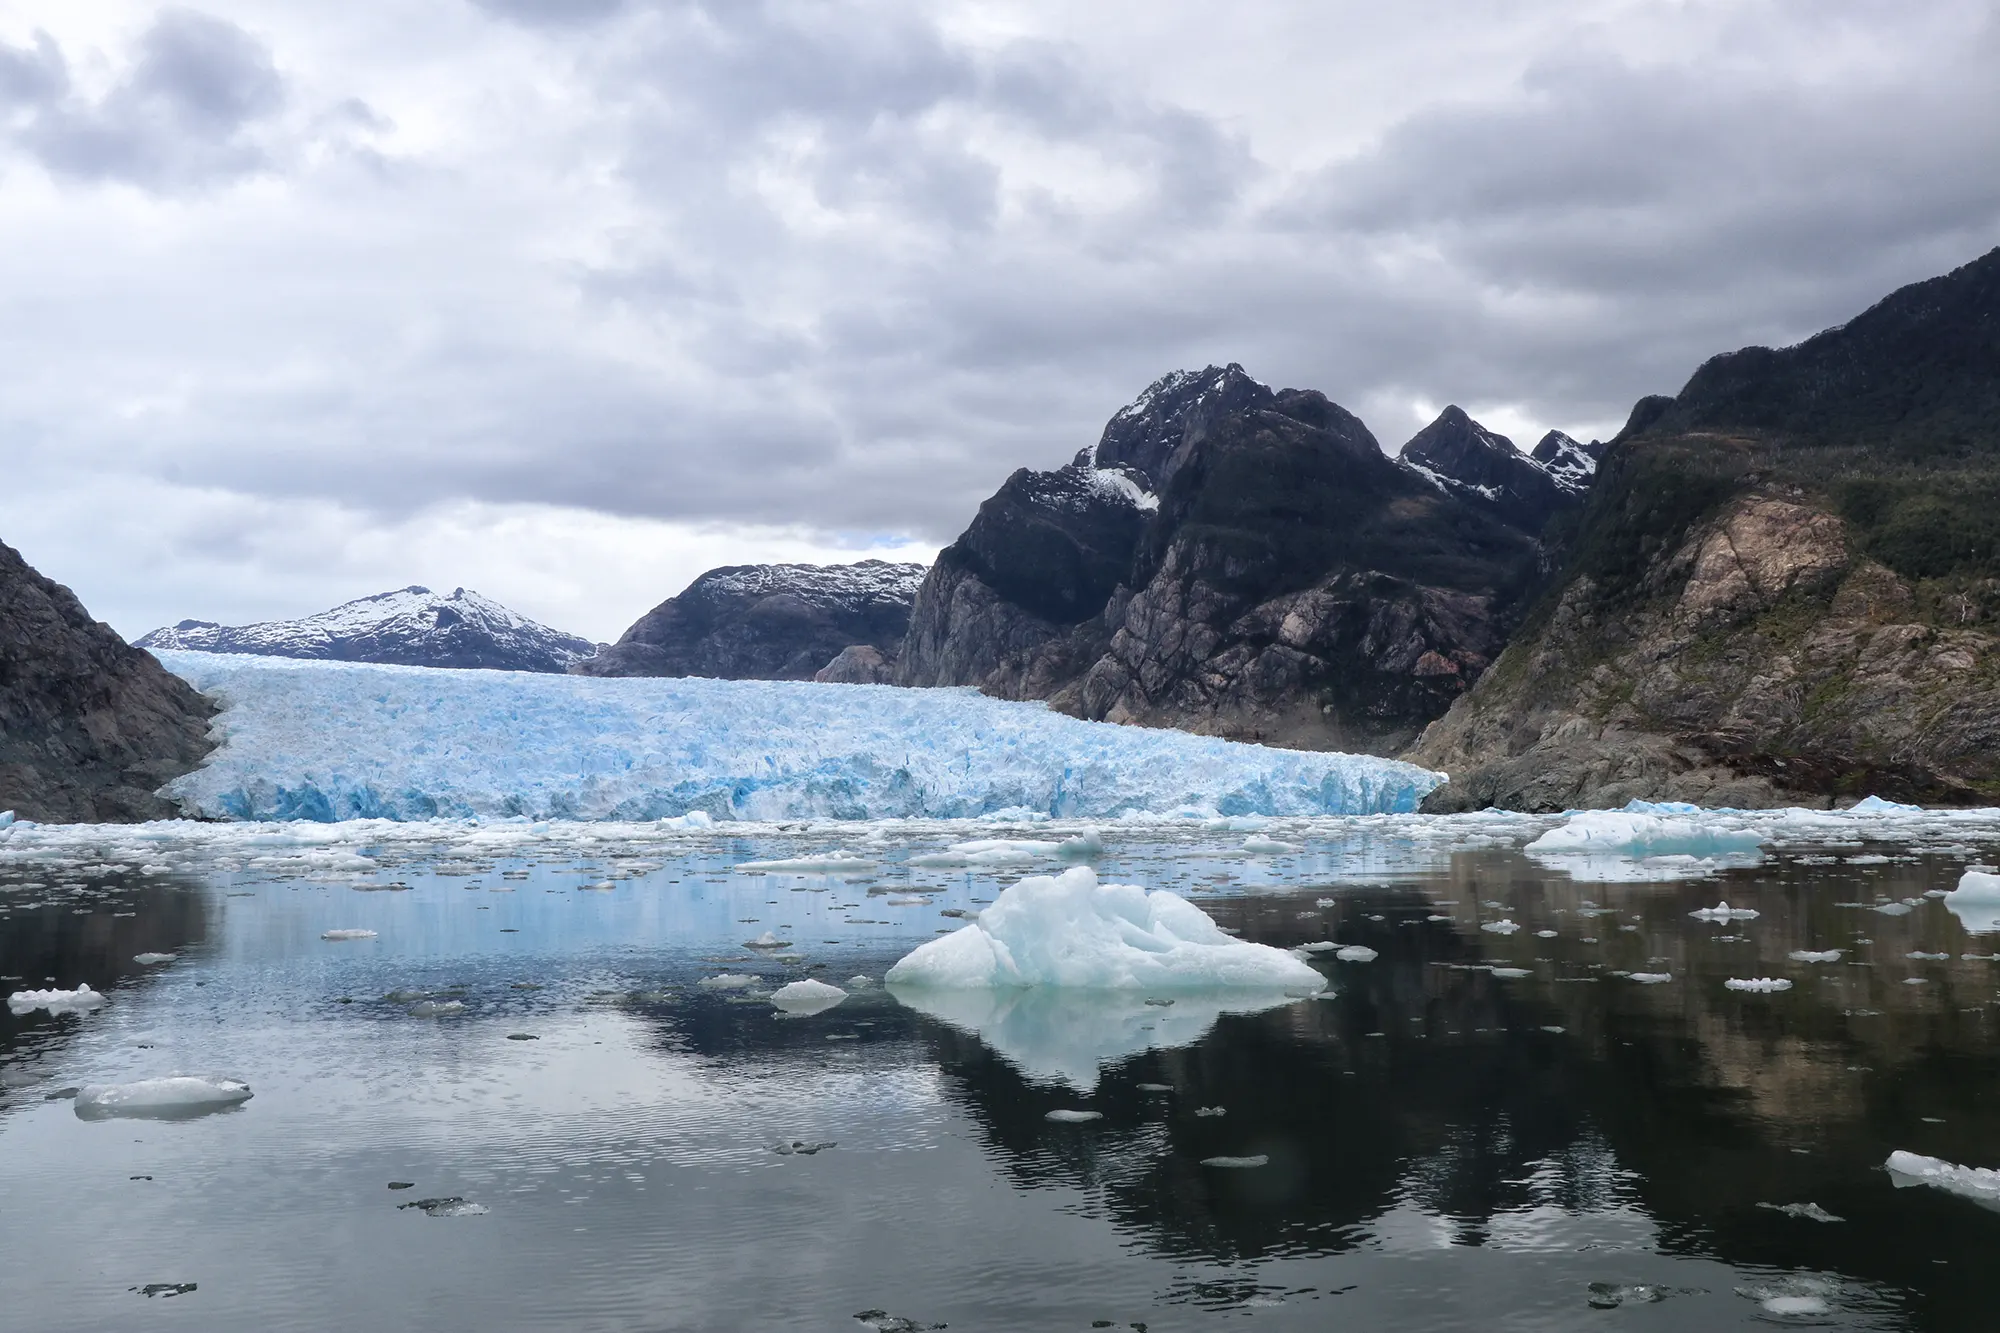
column 1462, row 457
column 1571, row 464
column 408, row 627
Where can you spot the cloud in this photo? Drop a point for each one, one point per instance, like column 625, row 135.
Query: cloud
column 837, row 268
column 180, row 116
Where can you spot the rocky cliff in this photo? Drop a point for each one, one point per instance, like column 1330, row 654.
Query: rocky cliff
column 89, row 727
column 771, row 622
column 408, row 627
column 1238, row 561
column 1785, row 585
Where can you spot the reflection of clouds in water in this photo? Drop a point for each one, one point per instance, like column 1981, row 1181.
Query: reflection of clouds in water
column 1066, row 1036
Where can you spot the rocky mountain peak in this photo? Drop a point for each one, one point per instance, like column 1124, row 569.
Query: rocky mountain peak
column 1463, row 458
column 1570, row 463
column 1154, row 434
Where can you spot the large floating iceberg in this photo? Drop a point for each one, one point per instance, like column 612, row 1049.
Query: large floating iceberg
column 1068, row 931
column 337, row 740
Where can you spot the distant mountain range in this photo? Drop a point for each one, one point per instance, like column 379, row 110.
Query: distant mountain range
column 408, row 627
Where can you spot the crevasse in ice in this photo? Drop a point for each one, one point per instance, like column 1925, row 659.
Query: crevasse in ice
column 1069, row 931
column 335, row 740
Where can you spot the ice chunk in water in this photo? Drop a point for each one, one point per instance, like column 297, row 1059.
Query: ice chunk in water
column 1976, row 902
column 1355, row 953
column 767, row 941
column 1652, row 978
column 1812, row 1212
column 1627, row 833
column 56, row 1001
column 1237, row 1163
column 152, row 959
column 727, row 981
column 447, row 1207
column 1066, row 1117
column 1258, row 845
column 1498, row 927
column 1070, row 931
column 347, row 935
column 827, row 863
column 1758, row 985
column 1815, row 956
column 1875, row 805
column 1977, row 1183
column 807, row 997
column 160, row 1098
column 1724, row 912
column 1510, row 973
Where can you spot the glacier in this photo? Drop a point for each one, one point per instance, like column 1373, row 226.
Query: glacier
column 330, row 741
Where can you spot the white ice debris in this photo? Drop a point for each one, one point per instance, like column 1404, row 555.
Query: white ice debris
column 1067, row 1117
column 152, row 1096
column 1977, row 1183
column 1815, row 955
column 1070, row 931
column 1976, row 902
column 767, row 941
column 1652, row 978
column 1875, row 805
column 1757, row 985
column 1258, row 845
column 1724, row 912
column 152, row 959
column 1237, row 1163
column 727, row 981
column 56, row 1001
column 1630, row 833
column 1501, row 927
column 347, row 934
column 337, row 740
column 807, row 997
column 1355, row 953
column 1510, row 973
column 829, row 863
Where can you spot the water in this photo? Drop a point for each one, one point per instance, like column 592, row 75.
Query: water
column 1445, row 1148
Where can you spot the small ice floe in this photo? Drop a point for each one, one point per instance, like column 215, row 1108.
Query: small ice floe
column 1812, row 1212
column 1977, row 1183
column 1724, row 912
column 907, row 900
column 1652, row 978
column 1815, row 956
column 1153, row 1087
column 1510, row 973
column 1920, row 956
column 599, row 886
column 859, row 982
column 77, row 1001
column 1085, row 846
column 1207, row 1112
column 1067, row 1117
column 347, row 934
column 1893, row 909
column 1793, row 1297
column 807, row 997
column 1501, row 927
column 159, row 1098
column 1319, row 946
column 437, row 1008
column 961, row 913
column 801, row 1148
column 727, row 981
column 1237, row 1163
column 1757, row 985
column 1545, row 934
column 1326, row 902
column 827, row 863
column 451, row 1206
column 1355, row 953
column 1555, row 1028
column 767, row 941
column 154, row 959
column 884, row 1322
column 1259, row 845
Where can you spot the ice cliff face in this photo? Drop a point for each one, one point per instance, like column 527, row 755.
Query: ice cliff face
column 408, row 627
column 335, row 740
column 89, row 727
column 1785, row 587
column 1232, row 560
column 771, row 622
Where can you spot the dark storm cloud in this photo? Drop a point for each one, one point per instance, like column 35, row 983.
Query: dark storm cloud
column 178, row 117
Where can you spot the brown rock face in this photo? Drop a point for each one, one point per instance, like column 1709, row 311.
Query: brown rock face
column 90, row 727
column 857, row 664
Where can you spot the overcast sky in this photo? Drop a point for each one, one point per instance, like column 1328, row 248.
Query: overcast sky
column 568, row 300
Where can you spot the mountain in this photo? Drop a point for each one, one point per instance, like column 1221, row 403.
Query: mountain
column 89, row 726
column 1234, row 560
column 771, row 622
column 1572, row 465
column 1785, row 585
column 1484, row 468
column 408, row 627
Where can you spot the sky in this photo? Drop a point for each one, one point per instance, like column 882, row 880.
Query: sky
column 569, row 300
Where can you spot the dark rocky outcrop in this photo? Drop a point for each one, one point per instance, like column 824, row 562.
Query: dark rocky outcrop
column 766, row 622
column 407, row 627
column 89, row 726
column 1232, row 560
column 1785, row 586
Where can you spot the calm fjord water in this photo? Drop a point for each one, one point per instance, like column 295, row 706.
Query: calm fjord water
column 1446, row 1148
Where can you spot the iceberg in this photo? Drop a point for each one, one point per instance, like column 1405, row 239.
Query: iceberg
column 1633, row 834
column 803, row 998
column 1757, row 985
column 1724, row 912
column 1977, row 1183
column 171, row 1098
column 1976, row 902
column 330, row 741
column 1070, row 931
column 77, row 1001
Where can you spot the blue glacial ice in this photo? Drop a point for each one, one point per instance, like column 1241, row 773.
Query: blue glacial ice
column 337, row 740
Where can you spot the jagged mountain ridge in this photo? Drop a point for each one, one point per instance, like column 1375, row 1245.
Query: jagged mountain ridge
column 1785, row 586
column 1271, row 574
column 1485, row 467
column 410, row 626
column 90, row 727
column 771, row 622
